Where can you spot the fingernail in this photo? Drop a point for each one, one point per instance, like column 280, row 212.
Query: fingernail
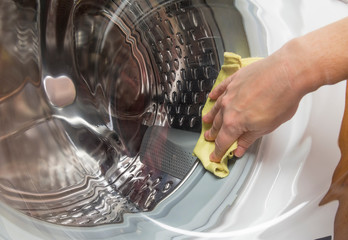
column 206, row 135
column 238, row 153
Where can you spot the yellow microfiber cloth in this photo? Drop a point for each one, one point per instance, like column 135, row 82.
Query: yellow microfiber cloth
column 203, row 148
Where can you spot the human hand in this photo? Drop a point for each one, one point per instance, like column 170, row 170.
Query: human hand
column 261, row 96
column 250, row 103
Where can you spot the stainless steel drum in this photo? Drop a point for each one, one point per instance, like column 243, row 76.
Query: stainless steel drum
column 100, row 102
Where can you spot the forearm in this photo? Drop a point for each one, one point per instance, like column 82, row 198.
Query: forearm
column 318, row 58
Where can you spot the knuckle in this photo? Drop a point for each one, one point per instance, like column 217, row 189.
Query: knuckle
column 214, row 126
column 234, row 126
column 218, row 102
column 212, row 132
column 244, row 143
column 247, row 139
column 215, row 107
column 224, row 102
column 229, row 121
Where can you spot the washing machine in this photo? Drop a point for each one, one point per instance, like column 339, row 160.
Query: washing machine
column 100, row 109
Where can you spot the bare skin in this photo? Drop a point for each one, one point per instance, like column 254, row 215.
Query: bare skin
column 260, row 97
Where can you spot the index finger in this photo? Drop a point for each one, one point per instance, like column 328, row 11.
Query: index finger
column 219, row 89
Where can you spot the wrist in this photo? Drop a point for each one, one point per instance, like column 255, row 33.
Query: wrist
column 317, row 58
column 303, row 67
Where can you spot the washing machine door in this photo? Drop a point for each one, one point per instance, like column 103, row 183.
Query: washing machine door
column 100, row 109
column 101, row 106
